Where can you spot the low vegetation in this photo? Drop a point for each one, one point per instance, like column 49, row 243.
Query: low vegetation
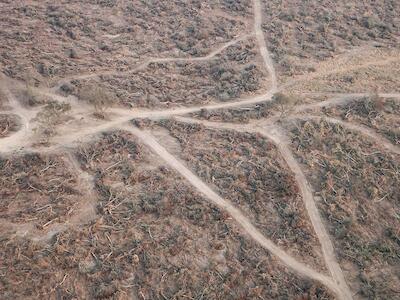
column 8, row 124
column 302, row 33
column 229, row 75
column 154, row 238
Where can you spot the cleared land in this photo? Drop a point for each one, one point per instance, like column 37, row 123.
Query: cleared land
column 199, row 150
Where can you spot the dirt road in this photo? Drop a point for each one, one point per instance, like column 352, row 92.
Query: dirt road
column 273, row 134
column 235, row 213
column 262, row 45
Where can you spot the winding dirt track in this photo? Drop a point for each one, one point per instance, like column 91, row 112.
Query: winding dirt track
column 149, row 61
column 273, row 133
column 235, row 213
column 257, row 10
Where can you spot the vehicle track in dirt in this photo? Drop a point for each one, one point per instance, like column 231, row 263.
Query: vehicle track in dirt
column 274, row 134
column 235, row 213
column 147, row 62
column 262, row 45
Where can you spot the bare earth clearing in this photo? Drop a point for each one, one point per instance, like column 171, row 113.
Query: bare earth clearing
column 213, row 159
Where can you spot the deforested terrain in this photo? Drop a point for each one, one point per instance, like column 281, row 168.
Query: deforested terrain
column 218, row 149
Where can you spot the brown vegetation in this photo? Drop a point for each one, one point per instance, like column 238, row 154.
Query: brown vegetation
column 36, row 188
column 154, row 238
column 8, row 124
column 300, row 33
column 76, row 38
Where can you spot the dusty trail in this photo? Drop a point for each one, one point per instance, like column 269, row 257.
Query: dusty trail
column 149, row 61
column 273, row 134
column 380, row 140
column 86, row 210
column 257, row 10
column 235, row 213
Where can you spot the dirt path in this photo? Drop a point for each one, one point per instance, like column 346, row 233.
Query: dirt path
column 147, row 62
column 257, row 10
column 275, row 135
column 379, row 140
column 235, row 213
column 86, row 210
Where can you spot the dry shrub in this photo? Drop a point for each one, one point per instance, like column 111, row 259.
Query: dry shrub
column 97, row 96
column 285, row 102
column 52, row 115
column 36, row 188
column 8, row 124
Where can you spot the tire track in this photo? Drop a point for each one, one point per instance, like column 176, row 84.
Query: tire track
column 235, row 213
